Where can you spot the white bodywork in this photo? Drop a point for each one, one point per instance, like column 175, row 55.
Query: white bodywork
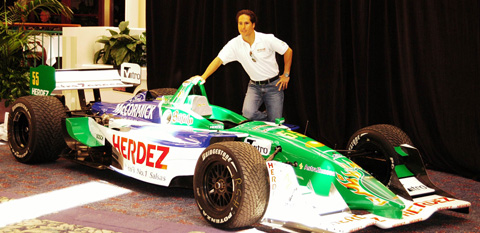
column 293, row 207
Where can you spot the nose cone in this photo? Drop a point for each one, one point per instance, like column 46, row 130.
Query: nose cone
column 362, row 191
column 385, row 202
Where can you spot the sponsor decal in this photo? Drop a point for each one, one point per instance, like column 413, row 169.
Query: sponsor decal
column 350, row 179
column 140, row 153
column 238, row 193
column 220, row 152
column 355, row 141
column 263, row 146
column 130, row 73
column 36, row 91
column 216, row 127
column 415, row 187
column 144, row 111
column 313, row 144
column 283, row 180
column 138, row 97
column 182, row 118
column 259, row 126
column 201, row 105
column 351, row 218
column 290, row 134
column 434, row 202
column 318, row 170
column 157, row 176
column 411, row 210
column 273, row 178
column 267, row 127
column 89, row 85
column 413, row 213
column 217, row 220
column 144, row 173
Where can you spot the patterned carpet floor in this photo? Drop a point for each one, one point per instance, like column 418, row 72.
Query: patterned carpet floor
column 150, row 208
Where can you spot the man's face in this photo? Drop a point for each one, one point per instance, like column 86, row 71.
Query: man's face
column 245, row 26
column 44, row 17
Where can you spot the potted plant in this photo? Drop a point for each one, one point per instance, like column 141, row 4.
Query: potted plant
column 14, row 49
column 122, row 47
column 14, row 70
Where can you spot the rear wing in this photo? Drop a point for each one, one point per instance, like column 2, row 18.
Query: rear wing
column 44, row 80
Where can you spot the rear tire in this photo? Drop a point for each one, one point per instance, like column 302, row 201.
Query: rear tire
column 231, row 185
column 35, row 129
column 161, row 92
column 378, row 142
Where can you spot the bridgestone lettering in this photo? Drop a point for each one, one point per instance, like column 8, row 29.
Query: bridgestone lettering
column 355, row 141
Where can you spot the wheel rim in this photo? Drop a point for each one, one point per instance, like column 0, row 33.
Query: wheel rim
column 377, row 162
column 219, row 185
column 20, row 130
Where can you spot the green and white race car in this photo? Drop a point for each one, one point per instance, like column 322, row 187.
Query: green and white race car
column 242, row 172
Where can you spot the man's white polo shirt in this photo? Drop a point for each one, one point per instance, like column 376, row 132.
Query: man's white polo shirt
column 261, row 64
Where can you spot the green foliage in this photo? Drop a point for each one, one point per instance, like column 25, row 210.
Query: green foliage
column 122, row 47
column 14, row 67
column 14, row 49
column 19, row 12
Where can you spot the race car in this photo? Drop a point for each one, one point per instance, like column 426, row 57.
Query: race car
column 242, row 172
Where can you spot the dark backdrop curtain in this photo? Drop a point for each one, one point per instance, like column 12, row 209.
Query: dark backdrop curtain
column 413, row 64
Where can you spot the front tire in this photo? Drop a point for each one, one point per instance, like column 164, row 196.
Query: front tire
column 375, row 149
column 35, row 129
column 231, row 185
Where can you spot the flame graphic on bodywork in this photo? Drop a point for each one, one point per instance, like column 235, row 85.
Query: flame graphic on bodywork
column 351, row 178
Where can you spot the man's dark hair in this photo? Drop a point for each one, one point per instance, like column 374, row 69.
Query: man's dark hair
column 253, row 17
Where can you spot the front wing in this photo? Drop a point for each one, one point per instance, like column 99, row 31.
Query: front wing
column 295, row 207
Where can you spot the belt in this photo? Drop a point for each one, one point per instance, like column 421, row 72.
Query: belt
column 271, row 80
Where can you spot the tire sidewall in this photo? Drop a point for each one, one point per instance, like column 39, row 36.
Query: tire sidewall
column 162, row 91
column 367, row 138
column 20, row 108
column 219, row 155
column 35, row 129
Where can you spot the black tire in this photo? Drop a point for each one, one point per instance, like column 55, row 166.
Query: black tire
column 162, row 91
column 140, row 91
column 35, row 129
column 231, row 185
column 376, row 144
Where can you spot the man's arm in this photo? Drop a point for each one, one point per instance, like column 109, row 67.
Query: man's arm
column 287, row 58
column 217, row 62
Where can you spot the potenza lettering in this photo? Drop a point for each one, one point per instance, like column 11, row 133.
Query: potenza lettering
column 144, row 111
column 141, row 153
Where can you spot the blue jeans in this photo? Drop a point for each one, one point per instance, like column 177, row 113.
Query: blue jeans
column 259, row 94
